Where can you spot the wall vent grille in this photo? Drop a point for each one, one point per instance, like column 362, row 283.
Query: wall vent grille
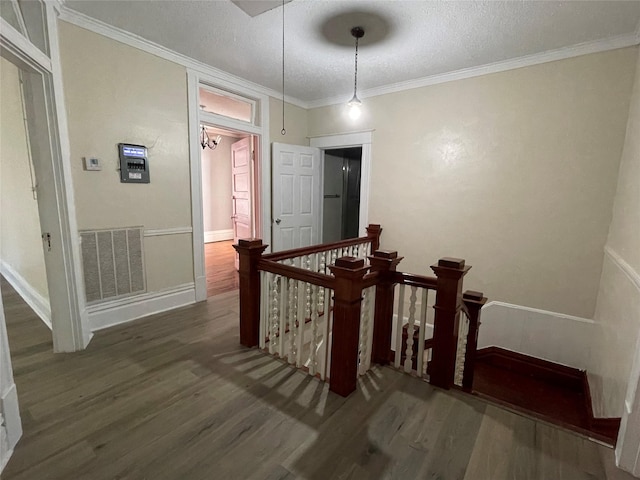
column 112, row 263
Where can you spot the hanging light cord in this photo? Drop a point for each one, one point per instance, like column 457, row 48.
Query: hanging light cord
column 355, row 81
column 283, row 131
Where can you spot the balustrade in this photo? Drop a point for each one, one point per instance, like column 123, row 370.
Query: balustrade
column 334, row 309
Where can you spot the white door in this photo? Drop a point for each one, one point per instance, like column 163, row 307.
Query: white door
column 241, row 190
column 296, row 196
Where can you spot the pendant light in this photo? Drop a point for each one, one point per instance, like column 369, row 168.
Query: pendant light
column 355, row 105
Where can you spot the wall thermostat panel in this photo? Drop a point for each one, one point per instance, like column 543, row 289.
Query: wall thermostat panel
column 134, row 164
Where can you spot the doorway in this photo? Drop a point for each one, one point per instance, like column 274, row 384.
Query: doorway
column 341, row 202
column 228, row 202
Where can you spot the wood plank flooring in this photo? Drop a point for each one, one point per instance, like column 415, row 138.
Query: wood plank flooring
column 221, row 272
column 174, row 396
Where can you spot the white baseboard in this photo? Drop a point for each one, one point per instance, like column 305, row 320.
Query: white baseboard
column 551, row 336
column 35, row 300
column 218, row 235
column 115, row 312
column 11, row 413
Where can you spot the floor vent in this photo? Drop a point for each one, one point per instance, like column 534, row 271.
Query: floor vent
column 112, row 263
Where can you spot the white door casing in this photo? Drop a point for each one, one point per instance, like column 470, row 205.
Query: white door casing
column 355, row 139
column 296, row 196
column 241, row 191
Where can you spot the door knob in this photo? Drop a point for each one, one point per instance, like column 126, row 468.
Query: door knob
column 278, row 221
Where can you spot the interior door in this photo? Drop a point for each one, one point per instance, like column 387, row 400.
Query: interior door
column 241, row 190
column 296, row 196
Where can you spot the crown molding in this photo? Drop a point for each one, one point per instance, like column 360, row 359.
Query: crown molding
column 596, row 46
column 128, row 38
column 88, row 23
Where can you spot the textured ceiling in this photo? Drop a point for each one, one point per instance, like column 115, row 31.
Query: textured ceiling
column 405, row 40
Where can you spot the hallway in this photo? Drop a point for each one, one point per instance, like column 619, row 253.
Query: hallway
column 174, row 396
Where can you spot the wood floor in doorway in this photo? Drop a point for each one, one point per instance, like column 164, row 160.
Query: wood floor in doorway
column 222, row 276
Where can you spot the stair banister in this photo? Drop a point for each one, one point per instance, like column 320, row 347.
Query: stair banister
column 473, row 303
column 449, row 272
column 385, row 263
column 250, row 252
column 349, row 273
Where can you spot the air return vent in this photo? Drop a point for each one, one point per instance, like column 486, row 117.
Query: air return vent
column 112, row 263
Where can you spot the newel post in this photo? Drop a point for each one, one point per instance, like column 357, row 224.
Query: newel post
column 474, row 301
column 249, row 251
column 348, row 272
column 373, row 232
column 447, row 314
column 384, row 262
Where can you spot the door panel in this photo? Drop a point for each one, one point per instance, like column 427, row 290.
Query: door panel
column 241, row 190
column 296, row 196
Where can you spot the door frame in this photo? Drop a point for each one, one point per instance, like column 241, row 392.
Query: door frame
column 70, row 325
column 362, row 139
column 262, row 165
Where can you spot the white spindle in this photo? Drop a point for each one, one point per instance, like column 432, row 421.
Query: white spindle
column 408, row 360
column 284, row 316
column 325, row 333
column 275, row 312
column 313, row 350
column 399, row 324
column 463, row 331
column 422, row 332
column 264, row 308
column 293, row 320
column 365, row 331
column 302, row 316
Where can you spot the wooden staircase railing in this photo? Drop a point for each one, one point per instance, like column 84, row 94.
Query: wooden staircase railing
column 333, row 309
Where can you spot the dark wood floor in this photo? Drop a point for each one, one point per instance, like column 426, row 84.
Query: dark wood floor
column 173, row 396
column 222, row 276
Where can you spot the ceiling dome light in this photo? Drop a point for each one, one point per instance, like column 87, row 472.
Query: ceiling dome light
column 355, row 105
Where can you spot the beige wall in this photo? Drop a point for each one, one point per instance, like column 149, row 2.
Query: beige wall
column 116, row 93
column 20, row 241
column 515, row 172
column 216, row 186
column 295, row 123
column 618, row 308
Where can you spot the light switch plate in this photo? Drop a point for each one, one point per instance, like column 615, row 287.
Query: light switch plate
column 92, row 164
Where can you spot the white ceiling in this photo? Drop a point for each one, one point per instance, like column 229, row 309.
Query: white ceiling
column 404, row 41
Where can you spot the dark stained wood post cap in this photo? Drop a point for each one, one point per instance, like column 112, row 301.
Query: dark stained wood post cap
column 472, row 295
column 350, row 263
column 449, row 262
column 385, row 254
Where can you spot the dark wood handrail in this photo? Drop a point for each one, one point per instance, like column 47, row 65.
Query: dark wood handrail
column 308, row 276
column 324, row 247
column 370, row 279
column 414, row 280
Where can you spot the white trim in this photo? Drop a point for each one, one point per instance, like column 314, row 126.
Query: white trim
column 128, row 38
column 115, row 312
column 22, row 49
column 195, row 163
column 30, row 295
column 75, row 277
column 218, row 235
column 628, row 270
column 353, row 139
column 157, row 232
column 538, row 311
column 586, row 48
column 11, row 412
column 260, row 129
column 595, row 46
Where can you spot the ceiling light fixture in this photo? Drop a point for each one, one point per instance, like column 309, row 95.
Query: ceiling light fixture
column 206, row 141
column 355, row 105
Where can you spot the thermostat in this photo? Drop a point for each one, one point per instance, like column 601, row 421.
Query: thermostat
column 134, row 165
